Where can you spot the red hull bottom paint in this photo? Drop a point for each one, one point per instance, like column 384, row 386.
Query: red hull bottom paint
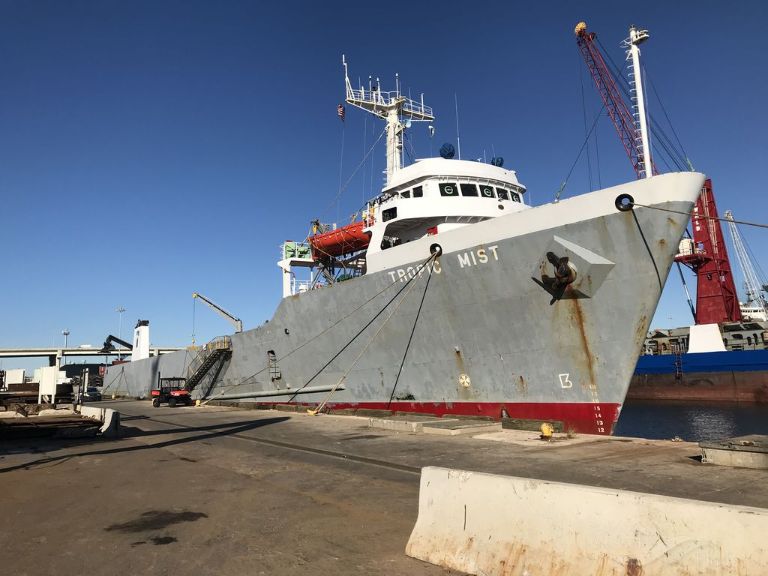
column 586, row 418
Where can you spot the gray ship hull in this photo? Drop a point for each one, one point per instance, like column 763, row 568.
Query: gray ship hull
column 496, row 334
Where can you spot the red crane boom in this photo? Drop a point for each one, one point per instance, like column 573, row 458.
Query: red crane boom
column 707, row 255
column 614, row 104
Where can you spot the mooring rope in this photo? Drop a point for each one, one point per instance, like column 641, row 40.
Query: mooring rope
column 410, row 339
column 745, row 223
column 371, row 321
column 247, row 379
column 328, row 396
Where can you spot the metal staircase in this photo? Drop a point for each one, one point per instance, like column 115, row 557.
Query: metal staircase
column 209, row 355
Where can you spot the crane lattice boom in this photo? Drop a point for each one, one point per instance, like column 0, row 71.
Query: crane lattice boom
column 707, row 256
column 753, row 285
column 617, row 109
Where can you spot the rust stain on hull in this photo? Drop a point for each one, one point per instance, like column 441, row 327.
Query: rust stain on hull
column 634, row 568
column 522, row 385
column 640, row 330
column 578, row 317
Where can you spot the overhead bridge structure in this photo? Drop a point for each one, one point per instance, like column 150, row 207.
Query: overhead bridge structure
column 55, row 355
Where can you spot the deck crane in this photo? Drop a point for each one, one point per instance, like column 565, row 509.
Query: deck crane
column 756, row 307
column 627, row 125
column 109, row 344
column 705, row 253
column 236, row 322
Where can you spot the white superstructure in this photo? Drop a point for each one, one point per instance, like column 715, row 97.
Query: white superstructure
column 140, row 340
column 430, row 197
column 437, row 195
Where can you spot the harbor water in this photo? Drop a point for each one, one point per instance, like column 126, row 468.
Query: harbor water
column 693, row 422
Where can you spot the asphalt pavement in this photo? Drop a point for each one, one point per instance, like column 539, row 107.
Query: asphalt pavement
column 225, row 491
column 188, row 492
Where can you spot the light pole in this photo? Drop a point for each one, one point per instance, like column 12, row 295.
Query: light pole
column 65, row 333
column 120, row 311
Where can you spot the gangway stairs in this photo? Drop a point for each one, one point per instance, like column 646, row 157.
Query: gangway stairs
column 213, row 353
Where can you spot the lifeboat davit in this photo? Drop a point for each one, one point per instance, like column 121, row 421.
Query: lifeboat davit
column 344, row 240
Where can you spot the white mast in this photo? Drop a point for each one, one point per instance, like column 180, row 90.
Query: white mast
column 637, row 37
column 393, row 108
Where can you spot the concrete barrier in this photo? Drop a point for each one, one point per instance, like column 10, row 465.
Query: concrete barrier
column 109, row 418
column 500, row 525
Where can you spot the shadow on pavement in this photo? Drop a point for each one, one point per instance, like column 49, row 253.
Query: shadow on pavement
column 132, row 432
column 210, row 431
column 126, row 418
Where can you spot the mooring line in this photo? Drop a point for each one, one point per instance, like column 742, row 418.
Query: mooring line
column 745, row 223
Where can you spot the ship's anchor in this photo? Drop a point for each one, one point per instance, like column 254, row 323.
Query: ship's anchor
column 565, row 274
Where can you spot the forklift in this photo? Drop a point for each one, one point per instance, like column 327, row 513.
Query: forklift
column 171, row 391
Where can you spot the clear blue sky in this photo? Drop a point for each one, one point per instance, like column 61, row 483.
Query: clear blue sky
column 150, row 149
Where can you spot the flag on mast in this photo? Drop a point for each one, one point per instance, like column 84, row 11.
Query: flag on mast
column 341, row 112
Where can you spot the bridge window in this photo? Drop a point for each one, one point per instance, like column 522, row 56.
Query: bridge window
column 406, row 194
column 487, row 192
column 418, row 192
column 448, row 189
column 469, row 190
column 503, row 194
column 389, row 214
column 515, row 197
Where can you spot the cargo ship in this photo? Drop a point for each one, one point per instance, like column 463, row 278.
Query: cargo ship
column 723, row 357
column 451, row 295
column 738, row 373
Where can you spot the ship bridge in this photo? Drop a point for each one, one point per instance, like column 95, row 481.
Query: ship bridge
column 438, row 194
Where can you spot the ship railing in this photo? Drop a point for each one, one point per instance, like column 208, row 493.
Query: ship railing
column 413, row 107
column 386, row 98
column 679, row 349
column 300, row 286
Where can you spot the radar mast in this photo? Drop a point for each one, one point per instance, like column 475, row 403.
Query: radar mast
column 396, row 109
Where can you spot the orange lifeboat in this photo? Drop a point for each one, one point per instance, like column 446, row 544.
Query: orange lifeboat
column 344, row 240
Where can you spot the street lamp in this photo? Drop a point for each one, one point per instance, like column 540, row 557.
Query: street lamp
column 65, row 333
column 120, row 311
